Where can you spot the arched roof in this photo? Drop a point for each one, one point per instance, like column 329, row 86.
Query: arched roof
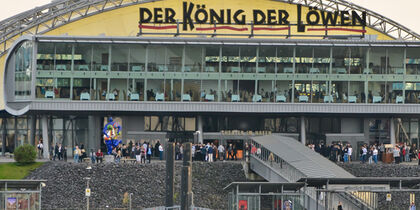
column 58, row 13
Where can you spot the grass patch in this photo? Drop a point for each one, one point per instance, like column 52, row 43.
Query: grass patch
column 16, row 171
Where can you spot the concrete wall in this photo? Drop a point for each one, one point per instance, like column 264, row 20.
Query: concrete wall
column 351, row 125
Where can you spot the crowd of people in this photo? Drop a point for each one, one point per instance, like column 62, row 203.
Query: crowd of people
column 143, row 152
column 339, row 152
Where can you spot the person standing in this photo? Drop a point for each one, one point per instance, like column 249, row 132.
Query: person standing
column 221, row 150
column 375, row 154
column 340, row 206
column 349, row 152
column 40, row 147
column 143, row 154
column 137, row 152
column 56, row 152
column 160, row 152
column 60, row 152
column 396, row 154
column 77, row 153
column 99, row 156
column 210, row 153
column 412, row 206
column 149, row 153
column 65, row 153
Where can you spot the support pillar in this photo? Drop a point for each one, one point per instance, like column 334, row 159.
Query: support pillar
column 32, row 128
column 170, row 174
column 45, row 137
column 94, row 130
column 200, row 129
column 392, row 131
column 302, row 130
column 186, row 177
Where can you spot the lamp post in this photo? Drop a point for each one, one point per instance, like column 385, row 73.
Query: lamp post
column 87, row 191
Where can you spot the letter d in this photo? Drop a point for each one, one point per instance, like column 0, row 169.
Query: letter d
column 143, row 19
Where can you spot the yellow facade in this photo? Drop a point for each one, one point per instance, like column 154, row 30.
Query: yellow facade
column 124, row 22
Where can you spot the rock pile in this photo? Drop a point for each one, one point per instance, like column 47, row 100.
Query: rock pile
column 109, row 182
column 400, row 200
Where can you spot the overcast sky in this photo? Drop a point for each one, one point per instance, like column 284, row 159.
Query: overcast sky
column 404, row 12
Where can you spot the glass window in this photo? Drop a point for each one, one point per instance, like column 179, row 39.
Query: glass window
column 212, row 59
column 340, row 61
column 63, row 88
column 284, row 59
column 174, row 56
column 156, row 58
column 358, row 61
column 321, row 61
column 63, row 56
column 413, row 60
column 83, row 85
column 267, row 60
column 82, row 57
column 265, row 90
column 100, row 57
column 396, row 60
column 304, row 59
column 23, row 71
column 45, row 88
column 45, row 57
column 248, row 60
column 193, row 59
column 118, row 89
column 137, row 60
column 119, row 57
column 230, row 59
column 191, row 90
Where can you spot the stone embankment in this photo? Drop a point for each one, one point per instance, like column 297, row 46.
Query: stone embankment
column 109, row 182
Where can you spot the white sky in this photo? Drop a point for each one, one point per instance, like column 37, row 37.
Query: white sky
column 405, row 12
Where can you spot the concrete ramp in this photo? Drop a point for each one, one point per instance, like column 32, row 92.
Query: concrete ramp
column 290, row 155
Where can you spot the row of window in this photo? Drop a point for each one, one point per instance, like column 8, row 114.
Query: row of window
column 227, row 90
column 234, row 59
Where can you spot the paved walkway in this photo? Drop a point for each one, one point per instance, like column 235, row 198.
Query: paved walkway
column 10, row 160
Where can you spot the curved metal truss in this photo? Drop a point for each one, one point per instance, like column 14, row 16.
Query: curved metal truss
column 58, row 13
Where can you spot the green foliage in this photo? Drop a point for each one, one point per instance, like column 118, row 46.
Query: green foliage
column 25, row 154
column 17, row 171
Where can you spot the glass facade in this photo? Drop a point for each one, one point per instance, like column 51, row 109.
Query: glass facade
column 23, row 70
column 214, row 72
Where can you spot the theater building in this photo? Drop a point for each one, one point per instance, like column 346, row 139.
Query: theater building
column 215, row 71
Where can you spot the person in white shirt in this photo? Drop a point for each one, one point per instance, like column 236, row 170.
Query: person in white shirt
column 350, row 152
column 375, row 155
column 160, row 152
column 40, row 148
column 364, row 153
column 221, row 150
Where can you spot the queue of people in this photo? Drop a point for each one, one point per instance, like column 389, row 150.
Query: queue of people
column 339, row 152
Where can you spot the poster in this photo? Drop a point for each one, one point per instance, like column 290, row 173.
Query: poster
column 243, row 205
